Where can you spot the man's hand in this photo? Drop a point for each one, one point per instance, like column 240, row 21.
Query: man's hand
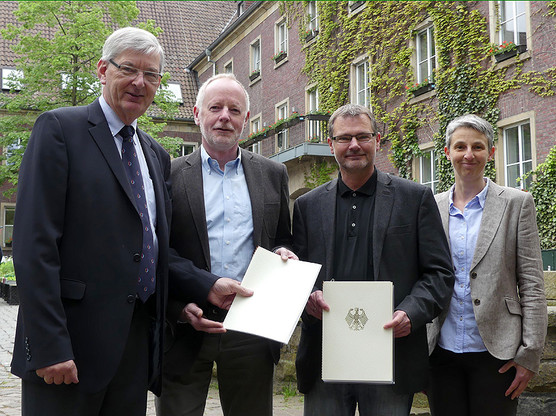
column 223, row 292
column 286, row 254
column 522, row 377
column 401, row 324
column 194, row 315
column 65, row 372
column 316, row 304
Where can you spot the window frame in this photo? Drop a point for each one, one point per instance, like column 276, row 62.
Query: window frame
column 6, row 83
column 500, row 154
column 5, row 207
column 430, row 59
column 254, row 61
column 281, row 111
column 355, row 81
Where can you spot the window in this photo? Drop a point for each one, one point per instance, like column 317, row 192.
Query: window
column 315, row 129
column 187, row 148
column 240, row 8
column 11, row 79
column 426, row 55
column 10, row 151
column 362, row 79
column 312, row 25
column 255, row 61
column 8, row 213
column 518, row 155
column 281, row 37
column 428, row 173
column 174, row 92
column 229, row 67
column 282, row 139
column 513, row 25
column 355, row 6
column 254, row 127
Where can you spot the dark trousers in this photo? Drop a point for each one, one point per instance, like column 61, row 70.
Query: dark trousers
column 469, row 384
column 126, row 394
column 245, row 371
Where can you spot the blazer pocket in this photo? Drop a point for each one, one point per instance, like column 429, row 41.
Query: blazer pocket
column 514, row 307
column 72, row 289
column 399, row 229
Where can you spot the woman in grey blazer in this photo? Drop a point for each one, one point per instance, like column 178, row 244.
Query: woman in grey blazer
column 488, row 344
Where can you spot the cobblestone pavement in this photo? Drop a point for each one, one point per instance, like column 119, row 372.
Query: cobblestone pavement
column 10, row 385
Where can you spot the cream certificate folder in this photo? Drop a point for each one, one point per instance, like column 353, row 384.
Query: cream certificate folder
column 281, row 289
column 355, row 346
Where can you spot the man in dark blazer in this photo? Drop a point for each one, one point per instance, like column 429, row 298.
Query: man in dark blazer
column 368, row 225
column 92, row 275
column 227, row 201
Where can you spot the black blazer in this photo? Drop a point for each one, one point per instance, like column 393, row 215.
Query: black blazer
column 75, row 236
column 267, row 182
column 409, row 249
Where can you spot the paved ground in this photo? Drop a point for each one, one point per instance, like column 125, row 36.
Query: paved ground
column 10, row 386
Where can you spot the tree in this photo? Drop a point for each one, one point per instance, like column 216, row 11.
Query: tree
column 58, row 44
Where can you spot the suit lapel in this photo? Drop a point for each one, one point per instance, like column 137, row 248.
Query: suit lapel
column 154, row 170
column 105, row 141
column 192, row 175
column 327, row 204
column 384, row 201
column 495, row 206
column 443, row 203
column 254, row 178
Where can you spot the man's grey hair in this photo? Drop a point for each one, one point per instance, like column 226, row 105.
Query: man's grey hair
column 470, row 121
column 351, row 110
column 203, row 89
column 132, row 39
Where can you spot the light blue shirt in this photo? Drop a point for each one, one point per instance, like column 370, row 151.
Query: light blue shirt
column 459, row 332
column 115, row 125
column 229, row 217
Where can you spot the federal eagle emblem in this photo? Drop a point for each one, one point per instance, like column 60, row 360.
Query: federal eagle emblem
column 356, row 319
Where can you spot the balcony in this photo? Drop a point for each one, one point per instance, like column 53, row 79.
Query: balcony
column 307, row 135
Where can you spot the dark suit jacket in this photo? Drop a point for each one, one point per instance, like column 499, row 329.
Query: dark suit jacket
column 76, row 236
column 409, row 249
column 267, row 182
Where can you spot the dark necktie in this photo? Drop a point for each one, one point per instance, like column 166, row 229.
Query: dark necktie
column 146, row 278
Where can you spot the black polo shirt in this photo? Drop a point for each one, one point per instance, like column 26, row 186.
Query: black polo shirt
column 353, row 258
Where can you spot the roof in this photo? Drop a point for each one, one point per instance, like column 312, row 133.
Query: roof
column 188, row 28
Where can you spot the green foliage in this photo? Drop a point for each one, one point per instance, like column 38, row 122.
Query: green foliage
column 320, row 173
column 466, row 80
column 289, row 390
column 7, row 269
column 58, row 45
column 543, row 189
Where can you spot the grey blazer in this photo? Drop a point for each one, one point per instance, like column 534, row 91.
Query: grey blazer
column 409, row 249
column 267, row 182
column 506, row 278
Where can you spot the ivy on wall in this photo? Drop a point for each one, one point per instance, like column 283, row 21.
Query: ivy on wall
column 466, row 80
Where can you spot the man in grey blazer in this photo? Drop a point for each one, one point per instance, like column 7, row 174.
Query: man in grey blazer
column 368, row 225
column 226, row 202
column 489, row 343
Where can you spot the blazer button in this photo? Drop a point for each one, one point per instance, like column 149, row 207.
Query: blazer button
column 137, row 257
column 130, row 298
column 473, row 275
column 477, row 302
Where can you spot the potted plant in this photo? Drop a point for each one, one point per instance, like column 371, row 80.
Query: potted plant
column 506, row 50
column 421, row 88
column 254, row 74
column 310, row 34
column 279, row 56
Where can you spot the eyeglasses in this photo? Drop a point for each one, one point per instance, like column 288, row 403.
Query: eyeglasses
column 361, row 138
column 132, row 72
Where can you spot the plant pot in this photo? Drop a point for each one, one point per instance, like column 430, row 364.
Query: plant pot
column 311, row 35
column 423, row 89
column 280, row 57
column 499, row 57
column 254, row 75
column 11, row 296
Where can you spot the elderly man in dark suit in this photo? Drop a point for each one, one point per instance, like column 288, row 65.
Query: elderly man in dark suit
column 227, row 201
column 91, row 247
column 368, row 225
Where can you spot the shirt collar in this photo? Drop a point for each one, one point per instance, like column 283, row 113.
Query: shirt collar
column 480, row 198
column 367, row 189
column 114, row 122
column 209, row 164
